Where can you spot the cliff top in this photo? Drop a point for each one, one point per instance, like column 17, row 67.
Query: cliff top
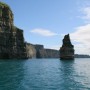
column 4, row 4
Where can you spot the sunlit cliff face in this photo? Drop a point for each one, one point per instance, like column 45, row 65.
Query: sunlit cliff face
column 6, row 17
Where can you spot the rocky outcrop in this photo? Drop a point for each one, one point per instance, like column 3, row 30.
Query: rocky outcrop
column 11, row 38
column 67, row 49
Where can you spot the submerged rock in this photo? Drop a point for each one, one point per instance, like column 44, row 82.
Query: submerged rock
column 67, row 49
column 11, row 38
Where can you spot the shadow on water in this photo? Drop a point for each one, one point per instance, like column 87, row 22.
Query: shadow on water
column 11, row 74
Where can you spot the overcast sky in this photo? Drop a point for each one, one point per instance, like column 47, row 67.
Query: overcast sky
column 47, row 21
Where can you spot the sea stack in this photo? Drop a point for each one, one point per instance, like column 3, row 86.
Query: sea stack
column 67, row 49
column 12, row 45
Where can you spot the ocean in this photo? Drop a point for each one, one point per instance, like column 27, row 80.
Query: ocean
column 45, row 74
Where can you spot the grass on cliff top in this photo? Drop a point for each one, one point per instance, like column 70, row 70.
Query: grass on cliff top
column 4, row 4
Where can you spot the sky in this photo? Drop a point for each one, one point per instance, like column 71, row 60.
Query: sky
column 47, row 21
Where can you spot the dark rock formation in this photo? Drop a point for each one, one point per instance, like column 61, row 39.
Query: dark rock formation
column 67, row 49
column 11, row 38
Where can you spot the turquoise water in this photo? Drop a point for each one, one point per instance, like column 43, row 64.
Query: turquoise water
column 45, row 74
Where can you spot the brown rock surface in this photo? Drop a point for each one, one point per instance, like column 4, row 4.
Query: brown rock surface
column 67, row 49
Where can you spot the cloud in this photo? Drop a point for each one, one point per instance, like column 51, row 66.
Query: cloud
column 82, row 36
column 56, row 47
column 43, row 32
column 86, row 12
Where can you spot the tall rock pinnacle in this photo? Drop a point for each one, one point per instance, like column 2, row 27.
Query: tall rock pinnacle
column 67, row 49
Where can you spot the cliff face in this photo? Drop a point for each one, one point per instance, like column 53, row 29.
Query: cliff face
column 67, row 49
column 51, row 53
column 12, row 43
column 6, row 17
column 31, row 51
column 38, row 51
column 11, row 38
column 47, row 53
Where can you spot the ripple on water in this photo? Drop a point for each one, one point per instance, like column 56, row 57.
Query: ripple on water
column 45, row 74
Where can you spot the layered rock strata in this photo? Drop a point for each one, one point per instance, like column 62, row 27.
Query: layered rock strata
column 38, row 51
column 11, row 38
column 31, row 51
column 67, row 49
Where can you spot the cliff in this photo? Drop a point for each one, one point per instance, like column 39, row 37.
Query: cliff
column 67, row 49
column 12, row 43
column 51, row 53
column 38, row 51
column 81, row 56
column 11, row 38
column 41, row 52
column 31, row 51
column 13, row 46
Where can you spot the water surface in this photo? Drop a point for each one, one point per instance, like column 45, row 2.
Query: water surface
column 45, row 74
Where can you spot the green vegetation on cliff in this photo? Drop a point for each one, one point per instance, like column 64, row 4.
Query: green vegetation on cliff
column 4, row 4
